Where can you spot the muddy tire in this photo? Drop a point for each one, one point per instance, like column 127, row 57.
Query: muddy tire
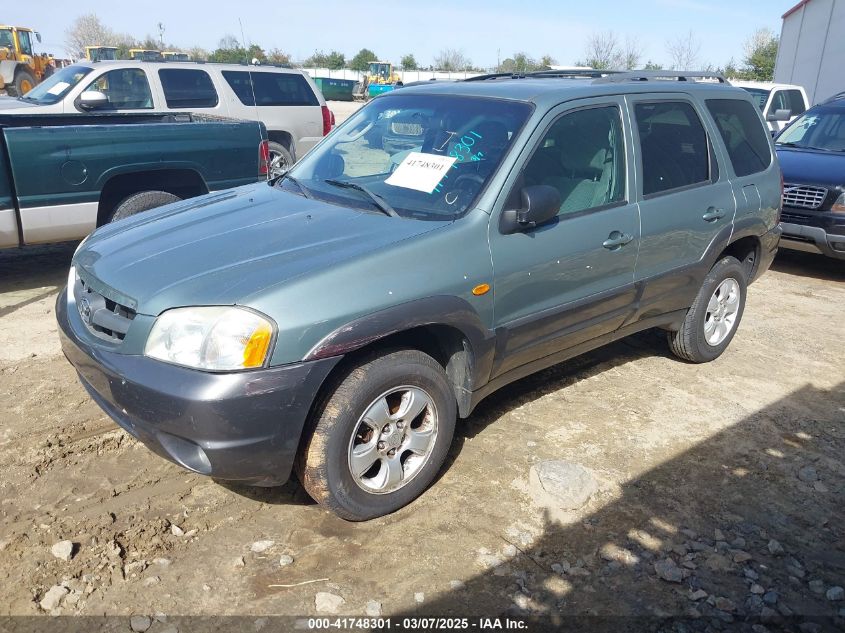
column 23, row 83
column 280, row 159
column 715, row 314
column 379, row 438
column 143, row 201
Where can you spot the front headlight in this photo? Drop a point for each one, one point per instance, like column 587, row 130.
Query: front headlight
column 214, row 338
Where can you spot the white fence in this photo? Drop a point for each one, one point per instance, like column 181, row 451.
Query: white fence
column 406, row 75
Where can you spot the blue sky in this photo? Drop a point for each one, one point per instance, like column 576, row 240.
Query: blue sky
column 482, row 29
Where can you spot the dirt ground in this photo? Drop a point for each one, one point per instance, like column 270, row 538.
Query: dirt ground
column 700, row 468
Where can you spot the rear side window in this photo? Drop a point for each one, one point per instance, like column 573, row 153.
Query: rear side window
column 270, row 88
column 187, row 88
column 675, row 151
column 745, row 137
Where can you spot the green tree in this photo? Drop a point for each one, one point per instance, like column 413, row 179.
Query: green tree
column 362, row 59
column 333, row 60
column 650, row 65
column 409, row 62
column 761, row 51
column 546, row 61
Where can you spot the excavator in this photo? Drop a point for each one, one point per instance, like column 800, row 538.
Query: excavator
column 20, row 67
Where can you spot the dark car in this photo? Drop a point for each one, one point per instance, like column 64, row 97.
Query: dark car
column 812, row 157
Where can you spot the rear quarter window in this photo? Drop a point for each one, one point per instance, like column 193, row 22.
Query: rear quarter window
column 187, row 88
column 745, row 137
column 270, row 88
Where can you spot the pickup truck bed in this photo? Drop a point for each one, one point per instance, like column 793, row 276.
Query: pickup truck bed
column 61, row 176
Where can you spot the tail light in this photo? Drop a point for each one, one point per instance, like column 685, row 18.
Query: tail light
column 264, row 158
column 328, row 120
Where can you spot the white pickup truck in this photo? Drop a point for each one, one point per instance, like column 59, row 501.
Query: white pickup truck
column 779, row 103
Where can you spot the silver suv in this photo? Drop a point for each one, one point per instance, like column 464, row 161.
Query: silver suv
column 286, row 100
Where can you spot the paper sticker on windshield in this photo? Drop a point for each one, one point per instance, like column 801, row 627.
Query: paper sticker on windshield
column 58, row 88
column 421, row 171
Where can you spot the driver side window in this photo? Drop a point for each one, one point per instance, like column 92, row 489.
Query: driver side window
column 126, row 88
column 582, row 155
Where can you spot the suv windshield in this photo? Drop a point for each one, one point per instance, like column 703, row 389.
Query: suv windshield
column 425, row 156
column 52, row 89
column 819, row 128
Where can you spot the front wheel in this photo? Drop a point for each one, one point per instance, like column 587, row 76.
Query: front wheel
column 381, row 436
column 24, row 82
column 715, row 314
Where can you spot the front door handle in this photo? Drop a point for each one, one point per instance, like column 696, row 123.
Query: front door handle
column 616, row 240
column 713, row 214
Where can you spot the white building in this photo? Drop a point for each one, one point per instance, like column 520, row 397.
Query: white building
column 812, row 48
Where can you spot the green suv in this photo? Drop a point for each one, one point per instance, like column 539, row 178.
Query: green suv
column 338, row 321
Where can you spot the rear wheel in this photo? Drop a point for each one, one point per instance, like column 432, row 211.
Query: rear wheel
column 142, row 201
column 280, row 159
column 380, row 437
column 715, row 314
column 24, row 82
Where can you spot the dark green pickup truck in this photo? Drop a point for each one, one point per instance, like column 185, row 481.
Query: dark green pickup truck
column 61, row 176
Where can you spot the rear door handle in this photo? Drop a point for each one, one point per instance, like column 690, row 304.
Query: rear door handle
column 713, row 214
column 616, row 240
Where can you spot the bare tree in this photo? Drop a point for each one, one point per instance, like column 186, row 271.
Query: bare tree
column 229, row 42
column 683, row 51
column 631, row 53
column 452, row 59
column 87, row 30
column 601, row 51
column 605, row 51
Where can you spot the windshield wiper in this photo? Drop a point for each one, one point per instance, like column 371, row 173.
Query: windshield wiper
column 300, row 186
column 377, row 200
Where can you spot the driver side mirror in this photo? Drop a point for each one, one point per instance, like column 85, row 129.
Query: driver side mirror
column 779, row 115
column 93, row 99
column 540, row 204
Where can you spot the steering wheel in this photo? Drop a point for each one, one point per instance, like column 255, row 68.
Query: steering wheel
column 460, row 191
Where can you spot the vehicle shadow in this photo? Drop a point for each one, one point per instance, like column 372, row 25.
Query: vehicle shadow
column 31, row 267
column 751, row 519
column 809, row 265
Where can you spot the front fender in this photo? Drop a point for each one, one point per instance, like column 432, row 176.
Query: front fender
column 444, row 310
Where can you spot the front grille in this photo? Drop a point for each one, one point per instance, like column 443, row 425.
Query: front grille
column 406, row 129
column 803, row 196
column 104, row 318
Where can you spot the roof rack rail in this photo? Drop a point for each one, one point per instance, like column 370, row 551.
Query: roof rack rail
column 662, row 75
column 576, row 73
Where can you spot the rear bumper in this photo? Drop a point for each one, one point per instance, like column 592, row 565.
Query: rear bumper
column 242, row 426
column 812, row 239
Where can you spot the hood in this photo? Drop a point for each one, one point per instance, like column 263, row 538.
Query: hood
column 9, row 104
column 812, row 167
column 222, row 248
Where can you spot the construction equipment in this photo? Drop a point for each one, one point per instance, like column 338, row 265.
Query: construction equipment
column 20, row 67
column 174, row 56
column 100, row 53
column 381, row 78
column 145, row 54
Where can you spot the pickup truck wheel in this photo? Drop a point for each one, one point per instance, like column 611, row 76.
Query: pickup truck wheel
column 380, row 437
column 280, row 159
column 143, row 201
column 715, row 314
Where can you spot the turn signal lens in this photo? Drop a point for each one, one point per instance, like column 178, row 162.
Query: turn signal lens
column 256, row 347
column 839, row 204
column 481, row 289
